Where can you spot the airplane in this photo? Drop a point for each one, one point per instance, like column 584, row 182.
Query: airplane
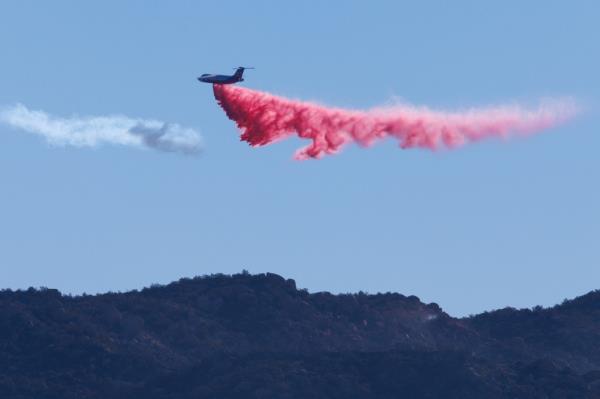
column 224, row 79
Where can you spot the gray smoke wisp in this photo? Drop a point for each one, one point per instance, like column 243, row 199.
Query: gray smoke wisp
column 93, row 131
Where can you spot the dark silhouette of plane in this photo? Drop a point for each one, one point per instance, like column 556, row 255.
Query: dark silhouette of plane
column 224, row 79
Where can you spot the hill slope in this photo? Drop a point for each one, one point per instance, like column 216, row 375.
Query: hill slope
column 246, row 336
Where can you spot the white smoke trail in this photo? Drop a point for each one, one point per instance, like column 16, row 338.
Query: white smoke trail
column 92, row 131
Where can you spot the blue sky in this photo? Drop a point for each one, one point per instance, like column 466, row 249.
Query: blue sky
column 490, row 225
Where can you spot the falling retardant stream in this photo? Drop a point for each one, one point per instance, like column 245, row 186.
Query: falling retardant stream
column 264, row 118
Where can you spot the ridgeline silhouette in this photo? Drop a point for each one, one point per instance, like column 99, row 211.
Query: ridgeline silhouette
column 258, row 336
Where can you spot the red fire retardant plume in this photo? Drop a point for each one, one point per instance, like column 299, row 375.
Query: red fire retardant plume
column 264, row 118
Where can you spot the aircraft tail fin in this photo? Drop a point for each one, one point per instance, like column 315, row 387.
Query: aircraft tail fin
column 239, row 71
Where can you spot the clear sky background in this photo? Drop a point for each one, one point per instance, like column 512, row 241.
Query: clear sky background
column 490, row 225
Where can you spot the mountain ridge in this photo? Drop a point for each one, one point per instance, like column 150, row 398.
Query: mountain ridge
column 113, row 344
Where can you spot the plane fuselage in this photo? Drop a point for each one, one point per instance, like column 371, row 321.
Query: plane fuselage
column 224, row 79
column 220, row 79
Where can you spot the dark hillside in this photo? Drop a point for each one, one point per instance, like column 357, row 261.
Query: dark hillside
column 568, row 333
column 260, row 337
